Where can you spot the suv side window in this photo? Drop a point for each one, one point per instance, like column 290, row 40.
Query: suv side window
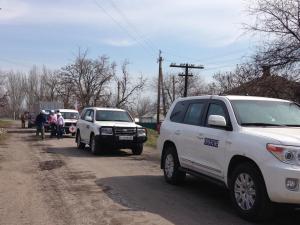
column 87, row 113
column 178, row 112
column 194, row 114
column 217, row 109
column 92, row 114
column 83, row 114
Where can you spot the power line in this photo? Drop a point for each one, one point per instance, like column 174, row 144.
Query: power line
column 123, row 28
column 130, row 24
column 206, row 59
column 186, row 66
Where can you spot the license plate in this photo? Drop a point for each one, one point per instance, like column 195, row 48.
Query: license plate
column 126, row 138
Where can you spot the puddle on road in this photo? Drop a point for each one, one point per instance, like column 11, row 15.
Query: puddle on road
column 51, row 164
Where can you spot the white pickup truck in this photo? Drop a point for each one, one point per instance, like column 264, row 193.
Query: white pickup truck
column 249, row 144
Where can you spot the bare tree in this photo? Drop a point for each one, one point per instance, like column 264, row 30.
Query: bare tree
column 226, row 81
column 3, row 91
column 126, row 88
column 174, row 87
column 89, row 77
column 32, row 88
column 143, row 106
column 278, row 20
column 15, row 87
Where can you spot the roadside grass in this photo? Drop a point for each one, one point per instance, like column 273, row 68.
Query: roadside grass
column 5, row 123
column 152, row 138
column 3, row 134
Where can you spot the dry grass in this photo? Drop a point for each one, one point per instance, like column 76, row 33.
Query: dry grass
column 152, row 138
column 5, row 123
column 3, row 134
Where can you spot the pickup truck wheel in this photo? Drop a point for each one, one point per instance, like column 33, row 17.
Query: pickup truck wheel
column 248, row 193
column 138, row 149
column 95, row 149
column 171, row 166
column 80, row 145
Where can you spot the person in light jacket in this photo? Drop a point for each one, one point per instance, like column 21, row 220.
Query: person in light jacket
column 60, row 125
column 52, row 120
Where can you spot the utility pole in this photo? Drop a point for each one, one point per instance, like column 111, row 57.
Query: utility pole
column 173, row 84
column 160, row 59
column 118, row 96
column 186, row 66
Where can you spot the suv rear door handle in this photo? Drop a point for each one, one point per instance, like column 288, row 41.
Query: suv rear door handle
column 177, row 132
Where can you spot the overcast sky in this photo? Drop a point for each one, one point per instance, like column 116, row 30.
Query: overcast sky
column 207, row 32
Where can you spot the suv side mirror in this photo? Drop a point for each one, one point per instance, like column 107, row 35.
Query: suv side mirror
column 89, row 118
column 217, row 121
column 136, row 120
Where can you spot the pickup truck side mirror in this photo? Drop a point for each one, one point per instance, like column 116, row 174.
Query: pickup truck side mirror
column 217, row 121
column 89, row 118
column 136, row 120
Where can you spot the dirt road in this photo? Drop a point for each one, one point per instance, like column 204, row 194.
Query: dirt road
column 51, row 182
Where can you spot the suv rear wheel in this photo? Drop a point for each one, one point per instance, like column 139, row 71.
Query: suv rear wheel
column 248, row 193
column 171, row 167
column 80, row 145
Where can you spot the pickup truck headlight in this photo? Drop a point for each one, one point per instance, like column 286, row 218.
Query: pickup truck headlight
column 106, row 131
column 141, row 132
column 286, row 154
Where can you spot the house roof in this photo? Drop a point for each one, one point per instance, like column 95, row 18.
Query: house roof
column 269, row 86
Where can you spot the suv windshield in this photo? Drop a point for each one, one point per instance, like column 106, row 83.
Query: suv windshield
column 70, row 115
column 266, row 113
column 110, row 115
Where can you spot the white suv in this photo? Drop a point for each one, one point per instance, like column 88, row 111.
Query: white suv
column 108, row 128
column 249, row 144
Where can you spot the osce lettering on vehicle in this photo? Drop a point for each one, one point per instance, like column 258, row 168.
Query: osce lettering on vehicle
column 211, row 142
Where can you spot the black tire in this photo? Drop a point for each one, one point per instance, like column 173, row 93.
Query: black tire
column 94, row 146
column 172, row 176
column 80, row 145
column 260, row 207
column 137, row 150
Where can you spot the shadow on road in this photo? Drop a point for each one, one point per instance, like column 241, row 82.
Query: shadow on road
column 74, row 152
column 20, row 131
column 196, row 202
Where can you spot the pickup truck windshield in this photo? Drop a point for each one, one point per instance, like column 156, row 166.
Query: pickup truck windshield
column 70, row 115
column 110, row 115
column 266, row 113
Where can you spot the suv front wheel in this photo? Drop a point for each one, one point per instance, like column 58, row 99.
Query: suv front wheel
column 95, row 148
column 171, row 167
column 248, row 193
column 138, row 149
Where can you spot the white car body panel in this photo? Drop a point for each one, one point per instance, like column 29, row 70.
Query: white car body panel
column 249, row 142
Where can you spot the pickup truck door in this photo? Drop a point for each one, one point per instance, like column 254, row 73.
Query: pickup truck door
column 211, row 154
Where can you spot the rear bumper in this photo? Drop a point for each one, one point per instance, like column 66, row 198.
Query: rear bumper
column 112, row 141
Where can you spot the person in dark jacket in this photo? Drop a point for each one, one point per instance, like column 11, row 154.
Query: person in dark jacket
column 40, row 124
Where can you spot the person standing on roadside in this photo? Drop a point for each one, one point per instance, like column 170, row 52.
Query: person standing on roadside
column 23, row 119
column 60, row 125
column 52, row 120
column 40, row 124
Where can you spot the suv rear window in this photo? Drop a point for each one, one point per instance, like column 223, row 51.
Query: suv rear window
column 178, row 112
column 194, row 113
